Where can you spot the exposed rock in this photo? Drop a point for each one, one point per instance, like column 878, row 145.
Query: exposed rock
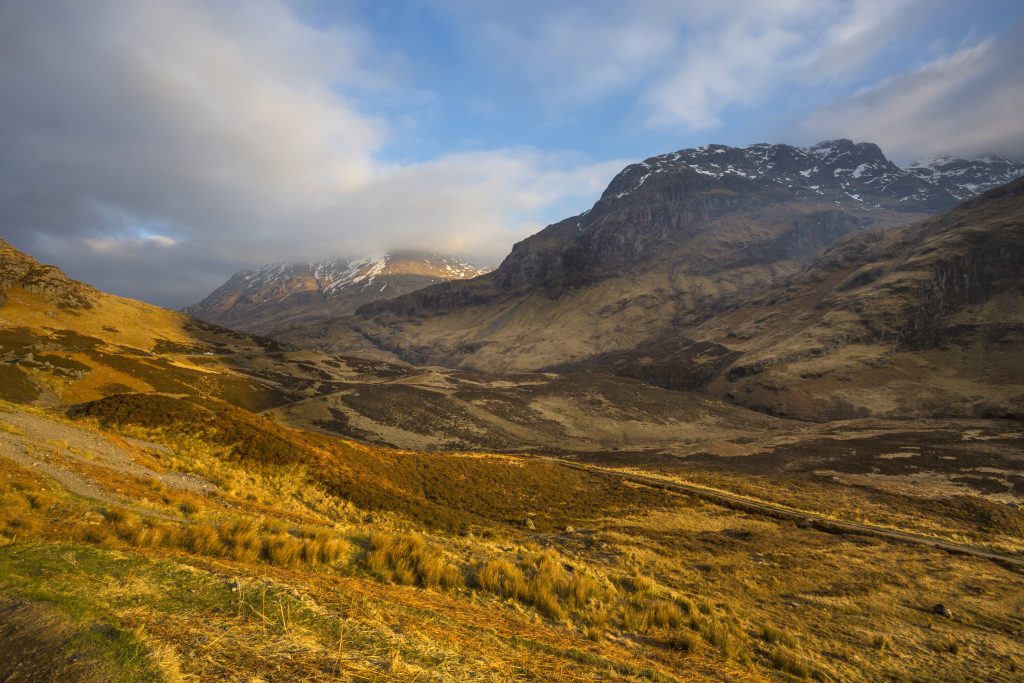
column 20, row 270
column 943, row 611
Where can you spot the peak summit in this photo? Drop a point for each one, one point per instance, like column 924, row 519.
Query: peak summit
column 838, row 170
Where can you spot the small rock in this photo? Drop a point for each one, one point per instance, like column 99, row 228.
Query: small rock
column 529, row 524
column 942, row 611
column 570, row 529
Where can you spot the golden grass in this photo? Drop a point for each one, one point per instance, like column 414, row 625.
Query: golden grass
column 788, row 661
column 408, row 560
column 688, row 587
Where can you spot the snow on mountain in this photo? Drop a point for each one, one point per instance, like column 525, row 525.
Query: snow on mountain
column 839, row 170
column 264, row 298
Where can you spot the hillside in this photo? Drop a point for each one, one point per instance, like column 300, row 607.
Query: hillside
column 673, row 241
column 276, row 296
column 923, row 320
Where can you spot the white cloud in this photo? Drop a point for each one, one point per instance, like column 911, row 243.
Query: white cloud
column 967, row 103
column 687, row 61
column 214, row 136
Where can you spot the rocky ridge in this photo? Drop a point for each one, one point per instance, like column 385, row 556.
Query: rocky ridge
column 20, row 270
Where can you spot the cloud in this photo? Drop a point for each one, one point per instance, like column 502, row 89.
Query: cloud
column 686, row 61
column 966, row 103
column 152, row 148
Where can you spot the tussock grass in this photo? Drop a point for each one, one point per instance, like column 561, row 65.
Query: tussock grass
column 685, row 641
column 555, row 588
column 786, row 660
column 776, row 636
column 242, row 541
column 724, row 634
column 8, row 428
column 502, row 578
column 408, row 560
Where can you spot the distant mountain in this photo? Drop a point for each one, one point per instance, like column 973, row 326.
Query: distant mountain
column 284, row 294
column 965, row 178
column 836, row 169
column 673, row 241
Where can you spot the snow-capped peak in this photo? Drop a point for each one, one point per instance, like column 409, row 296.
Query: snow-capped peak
column 833, row 170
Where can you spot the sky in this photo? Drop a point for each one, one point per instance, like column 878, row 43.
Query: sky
column 154, row 147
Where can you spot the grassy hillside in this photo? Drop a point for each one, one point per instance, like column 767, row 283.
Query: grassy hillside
column 240, row 550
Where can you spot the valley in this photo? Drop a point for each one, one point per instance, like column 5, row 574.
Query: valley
column 804, row 465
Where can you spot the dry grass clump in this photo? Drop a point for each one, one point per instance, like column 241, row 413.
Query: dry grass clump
column 684, row 641
column 8, row 428
column 786, row 660
column 640, row 585
column 723, row 633
column 502, row 578
column 242, row 541
column 948, row 644
column 22, row 502
column 643, row 615
column 555, row 588
column 408, row 560
column 776, row 636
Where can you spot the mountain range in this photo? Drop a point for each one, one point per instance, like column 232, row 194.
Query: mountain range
column 280, row 295
column 671, row 241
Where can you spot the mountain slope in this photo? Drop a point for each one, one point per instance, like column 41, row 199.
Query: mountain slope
column 283, row 294
column 922, row 320
column 62, row 341
column 672, row 241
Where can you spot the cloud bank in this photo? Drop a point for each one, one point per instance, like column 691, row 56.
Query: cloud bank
column 968, row 103
column 153, row 148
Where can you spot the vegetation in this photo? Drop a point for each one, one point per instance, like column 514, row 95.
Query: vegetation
column 278, row 541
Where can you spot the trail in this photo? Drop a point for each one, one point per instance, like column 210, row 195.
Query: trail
column 59, row 450
column 821, row 522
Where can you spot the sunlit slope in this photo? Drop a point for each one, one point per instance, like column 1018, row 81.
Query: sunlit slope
column 171, row 539
column 62, row 341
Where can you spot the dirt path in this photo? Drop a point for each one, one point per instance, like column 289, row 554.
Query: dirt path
column 36, row 647
column 821, row 522
column 53, row 448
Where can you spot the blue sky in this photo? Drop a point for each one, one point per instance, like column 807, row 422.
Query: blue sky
column 463, row 92
column 154, row 147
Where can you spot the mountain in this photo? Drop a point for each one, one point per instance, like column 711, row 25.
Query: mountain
column 673, row 241
column 283, row 294
column 964, row 178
